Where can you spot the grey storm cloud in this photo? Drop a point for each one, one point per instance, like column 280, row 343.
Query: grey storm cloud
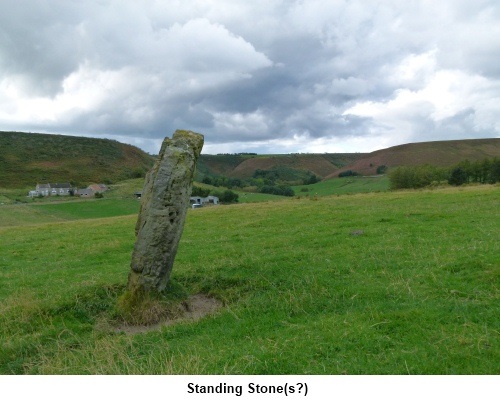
column 280, row 76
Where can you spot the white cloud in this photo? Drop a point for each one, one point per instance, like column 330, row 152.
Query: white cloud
column 414, row 71
column 176, row 63
column 253, row 73
column 251, row 124
column 201, row 46
column 82, row 91
column 446, row 94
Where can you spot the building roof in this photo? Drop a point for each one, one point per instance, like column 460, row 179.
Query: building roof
column 53, row 185
column 98, row 187
column 60, row 185
column 84, row 191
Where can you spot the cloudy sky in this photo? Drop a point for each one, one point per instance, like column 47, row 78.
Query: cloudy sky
column 261, row 76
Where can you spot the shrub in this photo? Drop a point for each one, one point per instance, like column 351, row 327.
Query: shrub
column 138, row 173
column 416, row 177
column 313, row 179
column 207, row 180
column 200, row 191
column 348, row 173
column 457, row 177
column 495, row 171
column 277, row 190
column 227, row 197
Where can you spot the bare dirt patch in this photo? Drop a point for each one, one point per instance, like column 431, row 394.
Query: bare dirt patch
column 194, row 308
column 44, row 165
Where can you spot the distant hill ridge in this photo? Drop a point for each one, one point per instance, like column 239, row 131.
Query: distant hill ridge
column 29, row 158
column 329, row 165
column 437, row 153
column 243, row 166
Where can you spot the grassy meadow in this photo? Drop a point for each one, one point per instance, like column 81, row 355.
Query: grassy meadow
column 374, row 283
column 344, row 185
column 55, row 212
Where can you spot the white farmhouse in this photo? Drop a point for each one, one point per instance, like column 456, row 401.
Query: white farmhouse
column 51, row 189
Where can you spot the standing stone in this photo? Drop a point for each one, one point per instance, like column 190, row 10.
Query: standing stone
column 164, row 203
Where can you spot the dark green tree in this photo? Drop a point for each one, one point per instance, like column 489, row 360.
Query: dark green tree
column 495, row 171
column 348, row 173
column 313, row 179
column 227, row 197
column 458, row 177
column 207, row 180
column 200, row 191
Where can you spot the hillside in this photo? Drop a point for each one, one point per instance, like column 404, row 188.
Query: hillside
column 329, row 165
column 438, row 153
column 27, row 159
column 242, row 166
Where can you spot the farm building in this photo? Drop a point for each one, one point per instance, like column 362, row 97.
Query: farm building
column 195, row 200
column 51, row 189
column 85, row 192
column 200, row 201
column 211, row 200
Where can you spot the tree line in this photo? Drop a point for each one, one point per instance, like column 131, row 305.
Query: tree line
column 274, row 181
column 482, row 171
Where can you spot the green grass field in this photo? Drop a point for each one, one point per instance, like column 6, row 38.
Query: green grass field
column 44, row 213
column 379, row 283
column 344, row 185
